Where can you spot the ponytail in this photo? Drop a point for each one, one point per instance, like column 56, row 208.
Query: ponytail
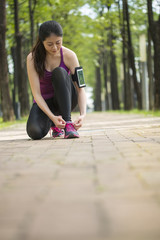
column 39, row 55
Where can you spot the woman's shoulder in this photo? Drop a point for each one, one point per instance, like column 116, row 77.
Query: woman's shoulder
column 30, row 62
column 68, row 53
column 30, row 57
column 70, row 59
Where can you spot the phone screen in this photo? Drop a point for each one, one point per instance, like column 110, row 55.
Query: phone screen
column 80, row 76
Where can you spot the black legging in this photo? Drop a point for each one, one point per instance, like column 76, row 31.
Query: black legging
column 63, row 102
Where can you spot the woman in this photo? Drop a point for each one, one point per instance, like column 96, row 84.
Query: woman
column 49, row 67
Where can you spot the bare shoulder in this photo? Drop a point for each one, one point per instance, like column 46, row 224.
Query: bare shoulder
column 29, row 57
column 32, row 74
column 68, row 53
column 30, row 64
column 70, row 59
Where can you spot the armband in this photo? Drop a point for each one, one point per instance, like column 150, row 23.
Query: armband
column 78, row 77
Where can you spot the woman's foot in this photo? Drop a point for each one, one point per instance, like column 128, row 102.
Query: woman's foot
column 57, row 132
column 70, row 131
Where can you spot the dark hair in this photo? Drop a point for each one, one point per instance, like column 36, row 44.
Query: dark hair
column 38, row 51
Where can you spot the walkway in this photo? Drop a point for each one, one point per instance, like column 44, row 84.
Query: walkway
column 103, row 186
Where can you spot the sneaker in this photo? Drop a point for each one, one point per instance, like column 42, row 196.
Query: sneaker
column 57, row 132
column 70, row 131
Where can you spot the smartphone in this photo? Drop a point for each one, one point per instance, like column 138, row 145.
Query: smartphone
column 80, row 78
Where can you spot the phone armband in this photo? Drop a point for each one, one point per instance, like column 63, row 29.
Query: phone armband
column 78, row 77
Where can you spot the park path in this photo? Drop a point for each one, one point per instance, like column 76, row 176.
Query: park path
column 103, row 186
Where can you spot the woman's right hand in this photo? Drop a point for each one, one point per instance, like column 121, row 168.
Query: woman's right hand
column 59, row 122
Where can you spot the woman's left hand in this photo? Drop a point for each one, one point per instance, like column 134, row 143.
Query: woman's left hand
column 79, row 122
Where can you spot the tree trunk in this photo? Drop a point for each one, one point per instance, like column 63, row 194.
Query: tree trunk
column 98, row 102
column 150, row 74
column 105, row 78
column 21, row 80
column 132, row 59
column 32, row 5
column 114, row 78
column 6, row 102
column 127, row 81
column 154, row 28
column 13, row 52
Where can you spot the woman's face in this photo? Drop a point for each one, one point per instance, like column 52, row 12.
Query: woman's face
column 53, row 44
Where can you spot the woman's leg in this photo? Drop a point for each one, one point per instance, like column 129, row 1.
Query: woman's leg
column 65, row 98
column 38, row 123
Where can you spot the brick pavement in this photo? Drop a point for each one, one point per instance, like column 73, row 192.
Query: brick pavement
column 103, row 186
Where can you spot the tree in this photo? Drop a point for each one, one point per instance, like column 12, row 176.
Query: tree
column 98, row 102
column 127, row 81
column 114, row 77
column 105, row 53
column 154, row 28
column 113, row 67
column 32, row 6
column 6, row 102
column 21, row 80
column 105, row 74
column 131, row 58
column 150, row 72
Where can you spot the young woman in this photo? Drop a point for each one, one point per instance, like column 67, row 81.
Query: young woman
column 50, row 66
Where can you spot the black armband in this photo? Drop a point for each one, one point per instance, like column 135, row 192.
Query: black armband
column 78, row 77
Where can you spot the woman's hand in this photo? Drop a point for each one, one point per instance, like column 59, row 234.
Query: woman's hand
column 79, row 122
column 59, row 122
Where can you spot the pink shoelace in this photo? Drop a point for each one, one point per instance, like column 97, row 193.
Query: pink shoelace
column 70, row 127
column 55, row 130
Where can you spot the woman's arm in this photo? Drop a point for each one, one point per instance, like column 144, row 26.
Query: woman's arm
column 72, row 63
column 35, row 87
column 82, row 107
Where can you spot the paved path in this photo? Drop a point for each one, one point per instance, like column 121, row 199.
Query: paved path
column 103, row 186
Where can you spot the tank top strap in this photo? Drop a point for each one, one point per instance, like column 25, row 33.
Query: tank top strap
column 61, row 51
column 62, row 64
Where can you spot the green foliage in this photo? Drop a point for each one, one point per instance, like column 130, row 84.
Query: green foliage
column 87, row 35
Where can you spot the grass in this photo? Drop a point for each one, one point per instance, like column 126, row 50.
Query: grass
column 143, row 112
column 8, row 124
column 136, row 111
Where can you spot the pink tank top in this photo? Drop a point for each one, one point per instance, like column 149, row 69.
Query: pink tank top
column 46, row 87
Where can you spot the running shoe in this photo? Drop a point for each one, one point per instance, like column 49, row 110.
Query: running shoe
column 70, row 131
column 57, row 132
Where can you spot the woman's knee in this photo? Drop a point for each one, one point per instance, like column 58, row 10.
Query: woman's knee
column 34, row 132
column 59, row 74
column 59, row 71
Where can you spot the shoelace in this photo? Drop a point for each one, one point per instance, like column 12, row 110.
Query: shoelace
column 56, row 129
column 70, row 127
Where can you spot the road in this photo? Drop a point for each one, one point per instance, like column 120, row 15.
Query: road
column 103, row 186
